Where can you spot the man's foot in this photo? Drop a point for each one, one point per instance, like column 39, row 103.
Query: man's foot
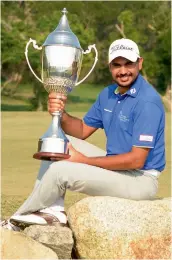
column 42, row 217
column 8, row 225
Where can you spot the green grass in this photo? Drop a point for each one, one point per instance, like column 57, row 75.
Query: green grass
column 80, row 99
column 20, row 133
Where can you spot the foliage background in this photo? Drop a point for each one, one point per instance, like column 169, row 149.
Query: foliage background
column 99, row 22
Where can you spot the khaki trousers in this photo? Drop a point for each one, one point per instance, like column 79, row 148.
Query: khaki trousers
column 55, row 177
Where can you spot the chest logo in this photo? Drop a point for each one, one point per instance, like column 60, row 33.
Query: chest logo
column 107, row 110
column 133, row 91
column 123, row 117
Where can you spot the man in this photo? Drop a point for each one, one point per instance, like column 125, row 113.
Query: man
column 132, row 115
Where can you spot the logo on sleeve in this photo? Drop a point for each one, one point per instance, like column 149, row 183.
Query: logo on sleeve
column 147, row 138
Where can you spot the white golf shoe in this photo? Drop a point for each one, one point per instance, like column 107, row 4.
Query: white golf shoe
column 42, row 217
column 8, row 225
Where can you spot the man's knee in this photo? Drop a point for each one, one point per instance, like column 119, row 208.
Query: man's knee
column 61, row 165
column 62, row 169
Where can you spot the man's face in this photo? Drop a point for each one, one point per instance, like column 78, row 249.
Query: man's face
column 124, row 71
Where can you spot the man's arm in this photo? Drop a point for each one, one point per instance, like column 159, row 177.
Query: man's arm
column 128, row 161
column 76, row 127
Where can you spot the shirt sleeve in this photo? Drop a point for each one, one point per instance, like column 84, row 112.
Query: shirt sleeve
column 146, row 124
column 94, row 116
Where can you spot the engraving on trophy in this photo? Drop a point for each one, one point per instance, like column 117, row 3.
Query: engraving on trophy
column 59, row 85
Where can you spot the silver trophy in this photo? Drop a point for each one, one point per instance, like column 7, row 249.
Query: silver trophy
column 61, row 63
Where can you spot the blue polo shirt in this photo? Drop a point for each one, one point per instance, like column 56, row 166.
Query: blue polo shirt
column 136, row 118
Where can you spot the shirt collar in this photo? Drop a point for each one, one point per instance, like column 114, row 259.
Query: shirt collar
column 134, row 89
column 117, row 91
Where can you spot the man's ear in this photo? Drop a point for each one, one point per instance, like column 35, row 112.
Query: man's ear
column 140, row 63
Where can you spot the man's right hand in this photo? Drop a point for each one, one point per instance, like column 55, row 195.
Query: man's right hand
column 56, row 102
column 71, row 125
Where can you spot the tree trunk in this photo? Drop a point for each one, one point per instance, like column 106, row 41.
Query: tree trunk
column 120, row 29
column 167, row 98
column 14, row 80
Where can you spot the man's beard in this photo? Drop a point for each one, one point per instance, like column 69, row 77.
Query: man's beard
column 126, row 86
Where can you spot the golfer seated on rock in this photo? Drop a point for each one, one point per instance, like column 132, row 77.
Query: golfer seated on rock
column 132, row 115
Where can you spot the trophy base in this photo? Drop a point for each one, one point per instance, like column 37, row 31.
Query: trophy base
column 47, row 156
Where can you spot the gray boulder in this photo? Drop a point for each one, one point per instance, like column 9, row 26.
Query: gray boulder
column 58, row 238
column 106, row 227
column 16, row 245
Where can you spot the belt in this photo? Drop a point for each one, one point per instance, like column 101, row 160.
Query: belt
column 153, row 172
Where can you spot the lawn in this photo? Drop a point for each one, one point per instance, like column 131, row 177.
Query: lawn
column 20, row 133
column 80, row 99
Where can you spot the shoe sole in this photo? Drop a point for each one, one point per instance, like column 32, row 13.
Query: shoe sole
column 20, row 222
column 24, row 224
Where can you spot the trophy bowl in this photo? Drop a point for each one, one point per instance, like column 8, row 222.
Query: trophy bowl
column 61, row 64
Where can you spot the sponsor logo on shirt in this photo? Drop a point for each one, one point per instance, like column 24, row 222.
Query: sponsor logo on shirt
column 147, row 138
column 123, row 117
column 107, row 110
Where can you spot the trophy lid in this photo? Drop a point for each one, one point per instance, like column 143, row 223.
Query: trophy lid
column 63, row 35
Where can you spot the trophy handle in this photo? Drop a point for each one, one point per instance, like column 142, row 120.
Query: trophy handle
column 26, row 52
column 95, row 61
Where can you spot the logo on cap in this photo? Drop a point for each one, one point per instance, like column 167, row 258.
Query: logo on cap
column 120, row 47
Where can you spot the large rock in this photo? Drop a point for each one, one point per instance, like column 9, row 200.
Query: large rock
column 106, row 227
column 58, row 238
column 16, row 245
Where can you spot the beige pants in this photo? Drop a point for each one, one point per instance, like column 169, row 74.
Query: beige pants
column 55, row 177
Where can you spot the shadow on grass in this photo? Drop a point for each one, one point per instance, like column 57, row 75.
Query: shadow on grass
column 73, row 101
column 78, row 99
column 5, row 107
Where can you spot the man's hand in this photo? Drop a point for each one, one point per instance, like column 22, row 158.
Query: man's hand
column 76, row 156
column 56, row 102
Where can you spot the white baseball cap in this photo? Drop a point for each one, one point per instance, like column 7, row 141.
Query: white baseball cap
column 124, row 48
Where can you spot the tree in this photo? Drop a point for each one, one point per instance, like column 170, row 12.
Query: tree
column 147, row 23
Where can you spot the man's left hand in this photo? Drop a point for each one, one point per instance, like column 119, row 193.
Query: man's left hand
column 76, row 156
